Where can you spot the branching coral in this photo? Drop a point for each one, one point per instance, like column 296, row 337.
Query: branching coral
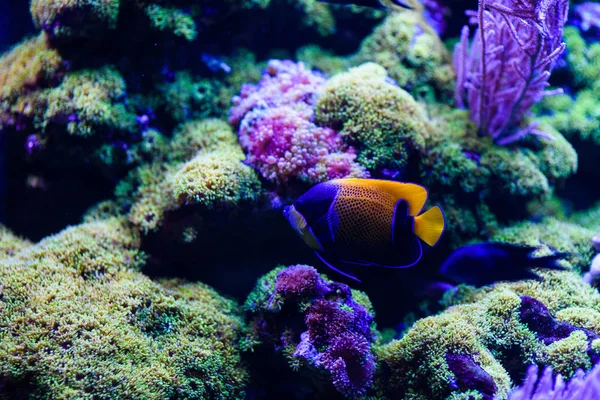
column 69, row 17
column 202, row 165
column 547, row 386
column 505, row 72
column 336, row 334
column 81, row 322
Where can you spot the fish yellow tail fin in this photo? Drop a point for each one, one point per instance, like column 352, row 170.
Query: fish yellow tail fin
column 429, row 226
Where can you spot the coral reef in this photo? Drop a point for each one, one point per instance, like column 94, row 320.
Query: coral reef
column 105, row 329
column 315, row 324
column 202, row 165
column 383, row 122
column 580, row 386
column 506, row 70
column 277, row 131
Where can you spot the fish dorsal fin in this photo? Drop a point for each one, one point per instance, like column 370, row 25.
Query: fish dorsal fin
column 415, row 195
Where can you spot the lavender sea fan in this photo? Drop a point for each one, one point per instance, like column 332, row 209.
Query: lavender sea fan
column 553, row 387
column 506, row 69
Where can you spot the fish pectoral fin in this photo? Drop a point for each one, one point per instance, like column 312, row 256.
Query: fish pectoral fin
column 336, row 269
column 429, row 226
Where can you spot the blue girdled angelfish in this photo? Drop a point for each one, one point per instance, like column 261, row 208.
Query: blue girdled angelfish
column 366, row 222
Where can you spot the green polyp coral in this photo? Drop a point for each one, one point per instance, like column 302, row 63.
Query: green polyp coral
column 189, row 98
column 200, row 135
column 214, row 178
column 583, row 59
column 113, row 336
column 173, row 20
column 489, row 329
column 25, row 68
column 10, row 243
column 413, row 55
column 553, row 235
column 318, row 15
column 72, row 248
column 314, row 57
column 202, row 165
column 382, row 121
column 84, row 103
column 75, row 17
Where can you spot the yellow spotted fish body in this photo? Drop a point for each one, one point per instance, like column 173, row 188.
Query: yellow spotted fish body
column 366, row 222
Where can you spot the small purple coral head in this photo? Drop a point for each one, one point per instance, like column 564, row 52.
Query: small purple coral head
column 331, row 332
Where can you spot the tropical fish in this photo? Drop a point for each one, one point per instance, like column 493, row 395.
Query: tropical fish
column 485, row 263
column 366, row 222
column 372, row 3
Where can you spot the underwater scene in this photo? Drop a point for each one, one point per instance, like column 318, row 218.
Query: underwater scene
column 300, row 199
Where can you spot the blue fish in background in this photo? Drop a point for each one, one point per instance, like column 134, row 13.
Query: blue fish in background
column 372, row 3
column 366, row 223
column 485, row 263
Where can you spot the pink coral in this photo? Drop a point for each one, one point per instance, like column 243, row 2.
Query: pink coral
column 277, row 131
column 283, row 83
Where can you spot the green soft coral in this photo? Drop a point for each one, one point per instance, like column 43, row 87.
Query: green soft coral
column 485, row 324
column 111, row 335
column 413, row 55
column 28, row 66
column 203, row 165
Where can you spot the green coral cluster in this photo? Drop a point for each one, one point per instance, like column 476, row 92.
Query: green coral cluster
column 412, row 54
column 91, row 101
column 486, row 325
column 383, row 122
column 81, row 322
column 202, row 165
column 475, row 180
column 88, row 18
column 438, row 146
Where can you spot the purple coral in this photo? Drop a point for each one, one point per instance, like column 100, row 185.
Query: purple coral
column 580, row 387
column 276, row 129
column 319, row 323
column 504, row 74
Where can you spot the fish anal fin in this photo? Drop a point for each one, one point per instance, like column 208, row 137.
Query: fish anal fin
column 338, row 270
column 415, row 195
column 429, row 226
